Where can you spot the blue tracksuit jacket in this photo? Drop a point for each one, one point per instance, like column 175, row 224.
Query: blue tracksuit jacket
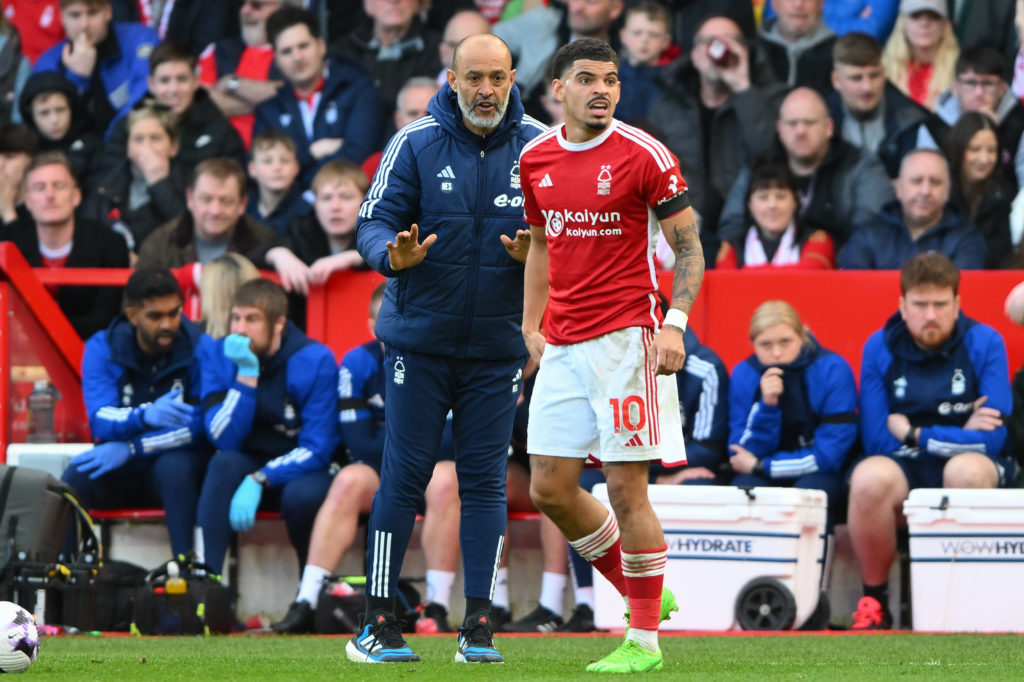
column 289, row 419
column 703, row 386
column 813, row 427
column 465, row 300
column 119, row 381
column 935, row 390
column 361, row 389
column 123, row 75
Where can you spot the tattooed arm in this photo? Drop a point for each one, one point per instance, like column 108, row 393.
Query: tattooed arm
column 680, row 231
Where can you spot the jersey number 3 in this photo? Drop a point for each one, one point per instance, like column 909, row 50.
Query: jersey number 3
column 630, row 413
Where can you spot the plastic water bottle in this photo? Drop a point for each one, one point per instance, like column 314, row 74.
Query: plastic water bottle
column 40, row 404
column 175, row 584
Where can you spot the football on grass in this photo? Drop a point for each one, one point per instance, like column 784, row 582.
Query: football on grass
column 19, row 638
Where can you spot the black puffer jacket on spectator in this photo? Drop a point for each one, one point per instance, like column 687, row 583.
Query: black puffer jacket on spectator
column 107, row 199
column 742, row 131
column 203, row 133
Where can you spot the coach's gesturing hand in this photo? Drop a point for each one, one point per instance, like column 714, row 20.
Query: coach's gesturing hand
column 520, row 246
column 406, row 251
column 669, row 352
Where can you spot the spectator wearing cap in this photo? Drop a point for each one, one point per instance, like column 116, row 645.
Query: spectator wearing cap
column 921, row 51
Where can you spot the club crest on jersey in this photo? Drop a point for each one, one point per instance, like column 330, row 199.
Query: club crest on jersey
column 513, row 177
column 604, row 180
column 959, row 382
column 899, row 388
column 554, row 225
column 399, row 377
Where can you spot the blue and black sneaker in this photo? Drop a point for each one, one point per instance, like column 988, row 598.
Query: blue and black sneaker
column 380, row 641
column 476, row 640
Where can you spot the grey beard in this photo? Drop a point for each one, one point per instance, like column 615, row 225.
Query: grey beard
column 485, row 122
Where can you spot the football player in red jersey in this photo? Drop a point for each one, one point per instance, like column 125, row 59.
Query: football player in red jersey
column 606, row 355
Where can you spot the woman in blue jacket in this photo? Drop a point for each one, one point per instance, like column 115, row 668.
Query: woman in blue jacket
column 792, row 408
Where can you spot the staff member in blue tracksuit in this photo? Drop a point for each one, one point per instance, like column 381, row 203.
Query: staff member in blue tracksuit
column 934, row 386
column 140, row 382
column 792, row 408
column 107, row 61
column 450, row 322
column 328, row 105
column 271, row 409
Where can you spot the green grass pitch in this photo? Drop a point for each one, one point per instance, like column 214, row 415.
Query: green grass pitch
column 537, row 657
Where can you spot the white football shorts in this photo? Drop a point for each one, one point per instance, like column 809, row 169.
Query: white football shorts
column 601, row 398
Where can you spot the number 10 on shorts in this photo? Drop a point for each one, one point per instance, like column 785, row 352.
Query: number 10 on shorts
column 628, row 413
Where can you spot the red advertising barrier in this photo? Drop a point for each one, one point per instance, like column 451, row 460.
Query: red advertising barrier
column 841, row 308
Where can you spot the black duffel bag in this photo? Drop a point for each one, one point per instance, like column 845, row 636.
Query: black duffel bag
column 182, row 598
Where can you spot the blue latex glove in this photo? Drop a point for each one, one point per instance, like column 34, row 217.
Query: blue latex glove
column 168, row 412
column 236, row 349
column 244, row 504
column 102, row 459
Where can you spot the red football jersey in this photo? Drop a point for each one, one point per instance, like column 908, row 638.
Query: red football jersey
column 255, row 64
column 594, row 200
column 38, row 24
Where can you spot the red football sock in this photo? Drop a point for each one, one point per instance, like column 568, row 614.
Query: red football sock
column 603, row 549
column 644, row 574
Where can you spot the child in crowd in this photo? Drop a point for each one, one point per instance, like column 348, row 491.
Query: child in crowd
column 318, row 244
column 777, row 235
column 644, row 37
column 277, row 198
column 145, row 188
column 49, row 106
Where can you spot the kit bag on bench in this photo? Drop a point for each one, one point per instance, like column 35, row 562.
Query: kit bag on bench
column 343, row 599
column 181, row 597
column 34, row 515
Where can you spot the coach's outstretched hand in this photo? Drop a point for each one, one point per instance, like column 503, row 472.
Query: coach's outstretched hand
column 518, row 247
column 406, row 251
column 669, row 352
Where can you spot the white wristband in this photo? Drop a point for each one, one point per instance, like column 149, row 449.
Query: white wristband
column 676, row 318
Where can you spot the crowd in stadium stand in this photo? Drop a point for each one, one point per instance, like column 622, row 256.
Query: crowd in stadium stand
column 850, row 134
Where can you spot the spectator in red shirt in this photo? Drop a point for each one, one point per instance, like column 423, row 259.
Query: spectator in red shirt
column 38, row 22
column 239, row 71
